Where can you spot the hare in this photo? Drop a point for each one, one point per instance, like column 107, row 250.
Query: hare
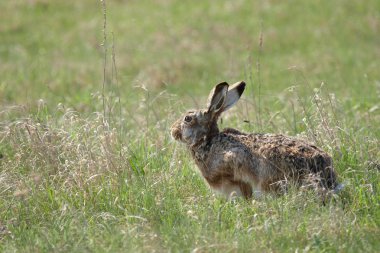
column 233, row 162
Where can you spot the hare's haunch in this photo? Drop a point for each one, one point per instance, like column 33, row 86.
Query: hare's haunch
column 236, row 162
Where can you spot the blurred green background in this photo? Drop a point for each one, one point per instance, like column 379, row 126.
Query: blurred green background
column 52, row 49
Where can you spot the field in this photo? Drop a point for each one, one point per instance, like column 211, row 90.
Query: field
column 89, row 89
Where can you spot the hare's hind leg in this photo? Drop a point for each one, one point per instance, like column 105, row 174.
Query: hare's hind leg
column 246, row 189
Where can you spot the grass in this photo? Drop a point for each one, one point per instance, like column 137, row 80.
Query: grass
column 72, row 180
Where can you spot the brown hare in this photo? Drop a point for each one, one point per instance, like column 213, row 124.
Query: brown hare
column 233, row 162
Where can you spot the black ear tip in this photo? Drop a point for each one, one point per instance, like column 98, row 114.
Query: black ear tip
column 223, row 84
column 241, row 87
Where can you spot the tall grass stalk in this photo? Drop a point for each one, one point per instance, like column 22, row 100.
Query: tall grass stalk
column 258, row 71
column 105, row 52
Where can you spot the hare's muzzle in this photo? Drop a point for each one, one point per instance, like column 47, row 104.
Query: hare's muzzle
column 175, row 131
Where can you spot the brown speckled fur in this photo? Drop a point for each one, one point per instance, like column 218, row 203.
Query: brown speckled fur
column 236, row 162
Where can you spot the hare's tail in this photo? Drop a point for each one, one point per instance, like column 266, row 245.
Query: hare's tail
column 338, row 188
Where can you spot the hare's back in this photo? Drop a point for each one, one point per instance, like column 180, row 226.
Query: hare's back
column 287, row 153
column 282, row 144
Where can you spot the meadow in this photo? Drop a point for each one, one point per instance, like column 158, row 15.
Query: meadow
column 89, row 89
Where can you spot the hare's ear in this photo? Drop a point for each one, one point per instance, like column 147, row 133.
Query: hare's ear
column 233, row 95
column 217, row 97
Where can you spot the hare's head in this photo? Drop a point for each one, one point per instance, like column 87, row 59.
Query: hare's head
column 195, row 126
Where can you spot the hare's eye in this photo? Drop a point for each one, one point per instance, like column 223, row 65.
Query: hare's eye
column 188, row 118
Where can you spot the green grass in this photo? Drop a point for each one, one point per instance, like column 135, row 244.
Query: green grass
column 71, row 183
